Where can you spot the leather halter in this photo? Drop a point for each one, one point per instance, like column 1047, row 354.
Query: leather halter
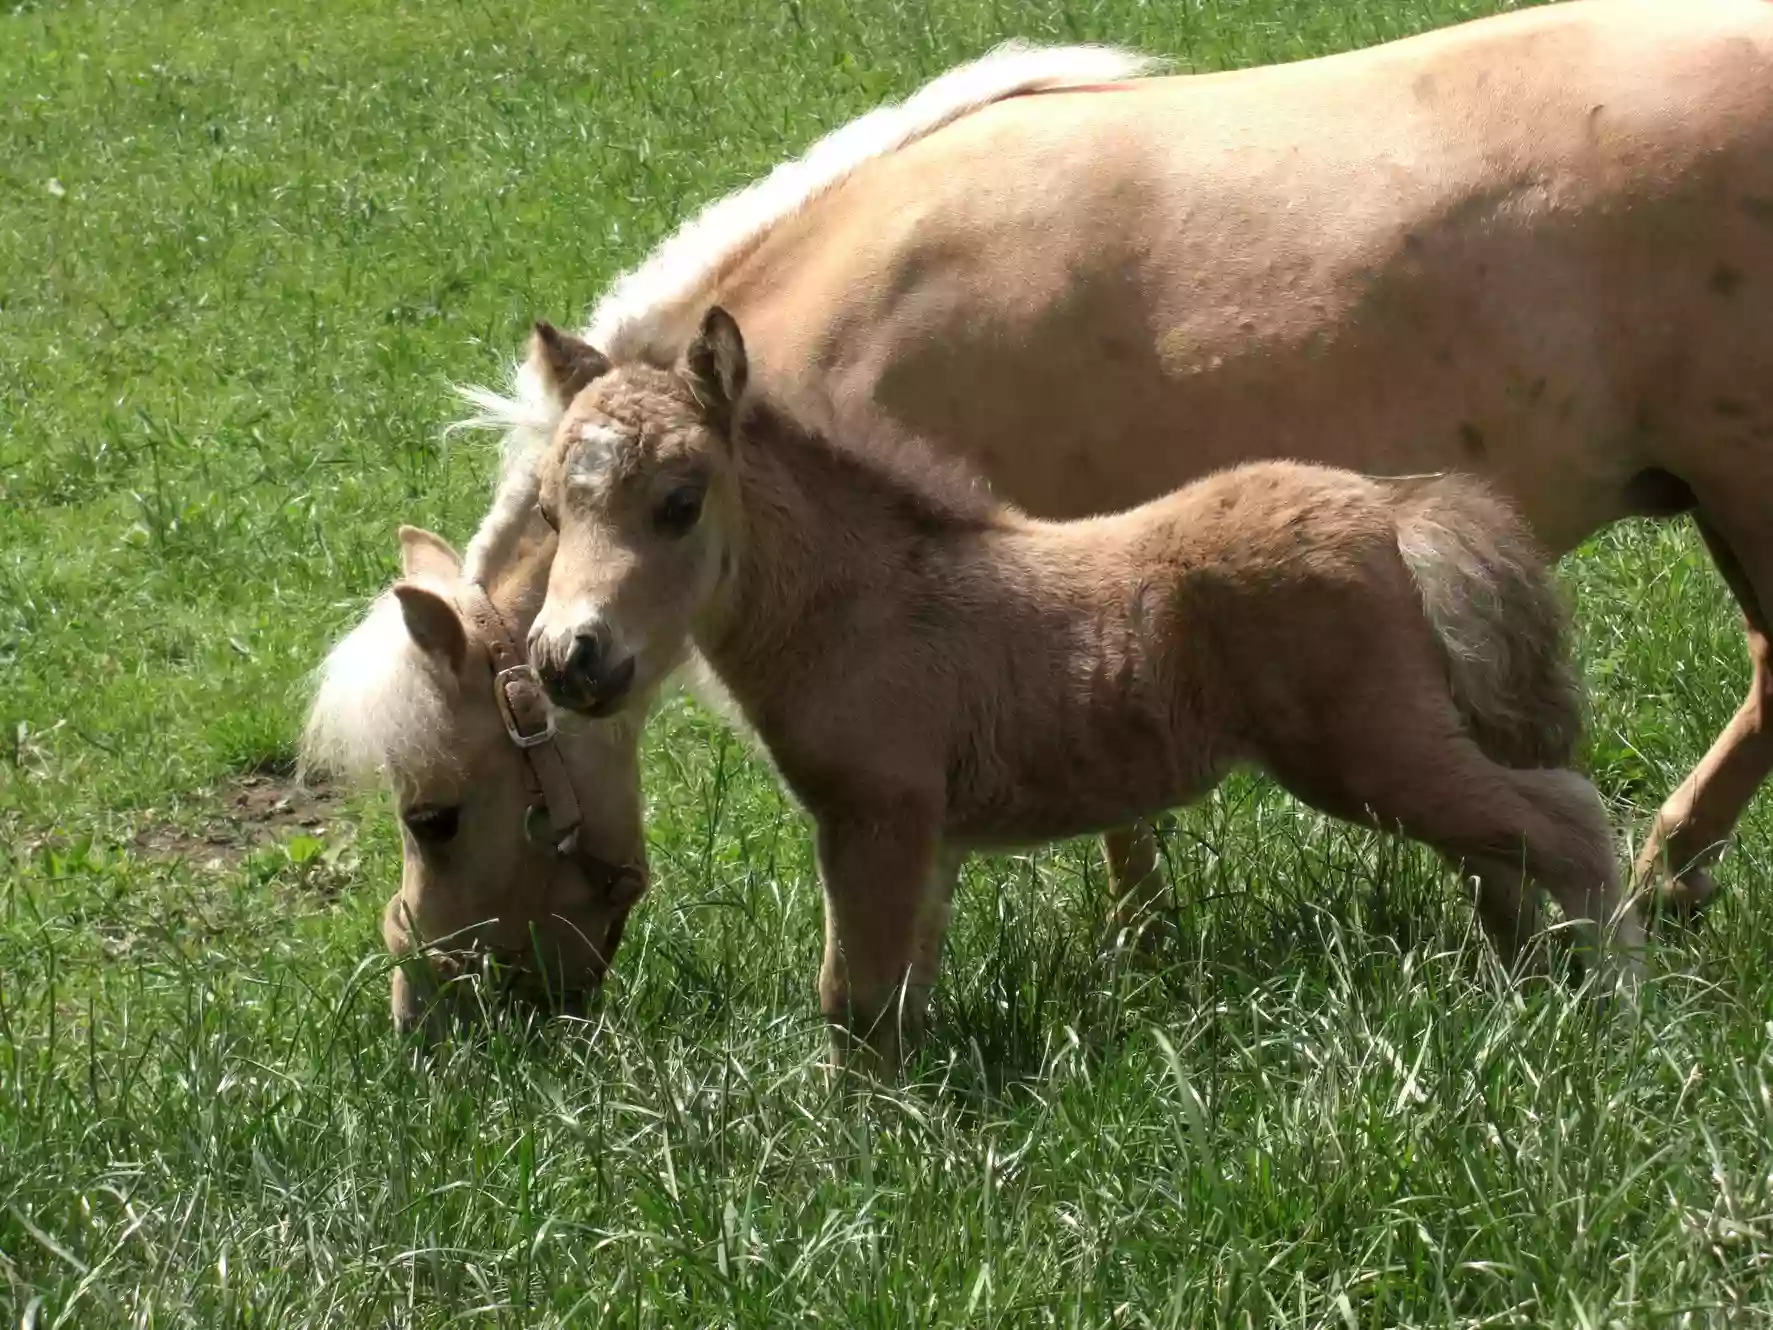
column 529, row 721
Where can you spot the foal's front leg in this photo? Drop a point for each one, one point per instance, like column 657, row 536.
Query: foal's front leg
column 876, row 871
column 1136, row 882
column 932, row 923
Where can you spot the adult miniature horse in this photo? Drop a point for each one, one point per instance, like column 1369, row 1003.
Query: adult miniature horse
column 933, row 672
column 1535, row 246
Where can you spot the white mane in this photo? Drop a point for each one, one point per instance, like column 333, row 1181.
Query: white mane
column 624, row 320
column 638, row 309
column 379, row 709
column 384, row 710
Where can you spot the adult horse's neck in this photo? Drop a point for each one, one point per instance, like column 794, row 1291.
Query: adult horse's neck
column 516, row 579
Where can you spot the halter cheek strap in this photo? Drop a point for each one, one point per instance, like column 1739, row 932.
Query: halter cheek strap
column 529, row 721
column 523, row 705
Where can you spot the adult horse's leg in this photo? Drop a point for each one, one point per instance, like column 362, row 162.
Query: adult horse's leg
column 1693, row 825
column 1136, row 881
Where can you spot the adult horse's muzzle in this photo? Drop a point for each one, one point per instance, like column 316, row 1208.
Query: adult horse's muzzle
column 460, row 981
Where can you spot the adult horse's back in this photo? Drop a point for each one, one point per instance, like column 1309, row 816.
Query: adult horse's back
column 1538, row 246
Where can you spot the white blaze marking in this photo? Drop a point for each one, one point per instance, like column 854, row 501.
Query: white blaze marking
column 592, row 458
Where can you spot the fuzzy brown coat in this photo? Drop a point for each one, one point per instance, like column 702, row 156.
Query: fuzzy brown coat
column 934, row 672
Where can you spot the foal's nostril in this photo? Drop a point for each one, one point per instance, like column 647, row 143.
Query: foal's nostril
column 589, row 673
column 584, row 663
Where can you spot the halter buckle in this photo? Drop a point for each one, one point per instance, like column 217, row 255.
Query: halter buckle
column 524, row 673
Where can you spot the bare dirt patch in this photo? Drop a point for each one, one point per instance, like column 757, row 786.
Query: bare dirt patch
column 253, row 812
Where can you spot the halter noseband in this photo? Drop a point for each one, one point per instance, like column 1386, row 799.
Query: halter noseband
column 529, row 721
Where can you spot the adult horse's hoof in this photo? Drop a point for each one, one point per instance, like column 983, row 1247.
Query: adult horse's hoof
column 1675, row 899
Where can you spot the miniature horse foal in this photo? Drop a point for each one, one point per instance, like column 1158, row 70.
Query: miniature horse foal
column 933, row 672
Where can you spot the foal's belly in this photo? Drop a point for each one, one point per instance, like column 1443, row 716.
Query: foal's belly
column 1051, row 769
column 1085, row 808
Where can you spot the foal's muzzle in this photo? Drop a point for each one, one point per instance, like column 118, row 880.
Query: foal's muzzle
column 595, row 677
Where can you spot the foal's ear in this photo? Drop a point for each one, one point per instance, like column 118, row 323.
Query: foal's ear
column 432, row 622
column 715, row 366
column 565, row 363
column 422, row 552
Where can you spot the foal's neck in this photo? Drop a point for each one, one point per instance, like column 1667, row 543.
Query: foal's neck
column 823, row 525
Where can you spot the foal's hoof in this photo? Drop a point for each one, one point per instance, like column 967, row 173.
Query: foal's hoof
column 1620, row 985
column 874, row 1050
column 1143, row 938
column 860, row 1069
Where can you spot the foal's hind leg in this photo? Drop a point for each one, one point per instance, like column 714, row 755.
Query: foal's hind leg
column 1696, row 820
column 1136, row 880
column 1571, row 854
column 1411, row 768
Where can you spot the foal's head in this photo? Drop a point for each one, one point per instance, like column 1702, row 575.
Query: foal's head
column 639, row 482
column 409, row 696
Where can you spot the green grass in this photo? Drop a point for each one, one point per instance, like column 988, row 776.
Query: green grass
column 243, row 252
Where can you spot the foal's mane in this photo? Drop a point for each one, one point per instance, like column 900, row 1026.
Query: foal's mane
column 932, row 492
column 642, row 308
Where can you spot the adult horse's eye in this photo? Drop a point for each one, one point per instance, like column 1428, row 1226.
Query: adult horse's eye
column 432, row 826
column 679, row 511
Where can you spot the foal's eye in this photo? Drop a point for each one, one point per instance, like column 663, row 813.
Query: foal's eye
column 432, row 826
column 679, row 511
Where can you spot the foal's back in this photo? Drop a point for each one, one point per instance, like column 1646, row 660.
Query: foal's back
column 1120, row 664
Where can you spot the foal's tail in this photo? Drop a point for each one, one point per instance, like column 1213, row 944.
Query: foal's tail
column 1487, row 589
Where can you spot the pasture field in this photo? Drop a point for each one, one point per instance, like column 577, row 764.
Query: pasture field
column 244, row 250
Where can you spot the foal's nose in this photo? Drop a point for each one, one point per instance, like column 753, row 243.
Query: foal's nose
column 595, row 674
column 584, row 662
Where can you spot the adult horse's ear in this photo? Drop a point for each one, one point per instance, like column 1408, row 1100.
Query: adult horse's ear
column 715, row 366
column 564, row 363
column 422, row 553
column 432, row 623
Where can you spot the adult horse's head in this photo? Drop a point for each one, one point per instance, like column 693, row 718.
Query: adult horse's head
column 518, row 843
column 639, row 482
